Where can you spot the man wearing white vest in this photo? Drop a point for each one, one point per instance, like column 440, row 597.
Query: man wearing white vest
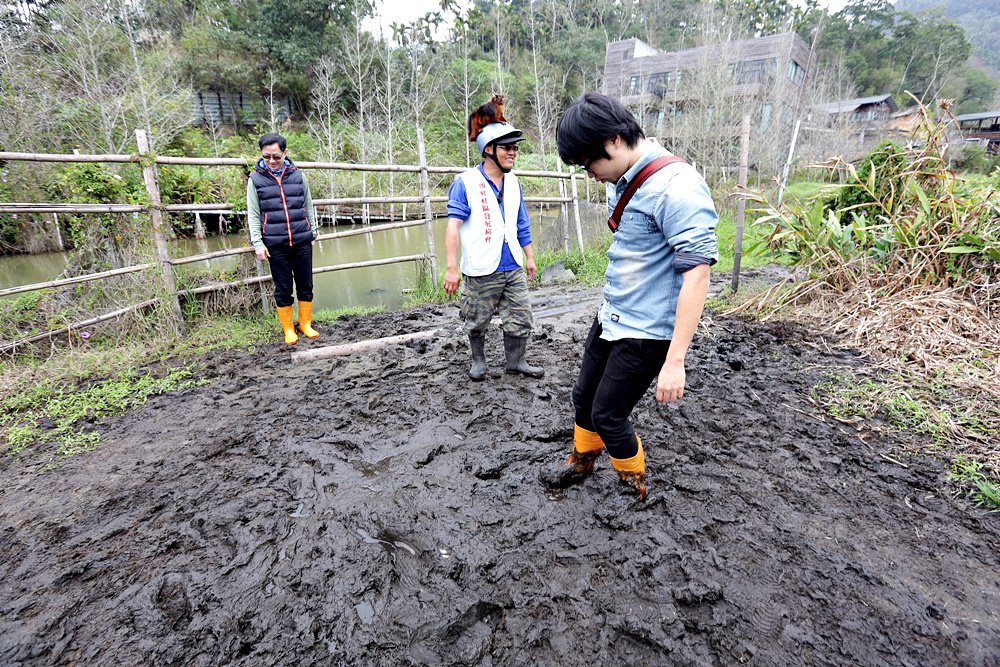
column 487, row 215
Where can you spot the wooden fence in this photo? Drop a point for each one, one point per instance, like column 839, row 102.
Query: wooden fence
column 155, row 210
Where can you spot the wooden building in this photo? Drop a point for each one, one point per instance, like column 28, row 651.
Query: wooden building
column 661, row 86
column 983, row 128
column 218, row 108
column 869, row 116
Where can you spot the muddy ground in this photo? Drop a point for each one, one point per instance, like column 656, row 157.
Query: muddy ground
column 382, row 510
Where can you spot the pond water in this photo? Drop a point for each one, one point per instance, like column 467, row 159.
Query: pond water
column 383, row 286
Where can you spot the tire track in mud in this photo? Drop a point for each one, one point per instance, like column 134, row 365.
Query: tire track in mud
column 382, row 510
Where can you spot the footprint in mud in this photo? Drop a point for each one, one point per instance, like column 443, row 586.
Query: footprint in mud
column 172, row 599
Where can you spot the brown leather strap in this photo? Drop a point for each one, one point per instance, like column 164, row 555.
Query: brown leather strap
column 644, row 173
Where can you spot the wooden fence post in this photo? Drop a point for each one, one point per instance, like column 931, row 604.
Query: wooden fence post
column 156, row 217
column 563, row 210
column 741, row 205
column 425, row 186
column 576, row 215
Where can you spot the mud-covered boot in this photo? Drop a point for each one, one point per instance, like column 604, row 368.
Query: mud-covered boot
column 587, row 446
column 478, row 345
column 632, row 472
column 515, row 347
column 306, row 320
column 287, row 324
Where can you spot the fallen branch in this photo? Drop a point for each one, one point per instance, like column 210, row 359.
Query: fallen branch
column 359, row 346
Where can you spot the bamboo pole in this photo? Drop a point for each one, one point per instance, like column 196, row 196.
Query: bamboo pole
column 156, row 216
column 75, row 280
column 246, row 162
column 227, row 208
column 359, row 346
column 741, row 204
column 10, row 347
column 425, row 185
column 788, row 162
column 65, row 157
column 323, row 269
column 70, row 208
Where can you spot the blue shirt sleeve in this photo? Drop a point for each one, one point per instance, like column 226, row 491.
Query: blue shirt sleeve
column 523, row 225
column 458, row 200
column 688, row 219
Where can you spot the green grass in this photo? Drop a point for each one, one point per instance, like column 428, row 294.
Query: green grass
column 48, row 406
column 54, row 417
column 980, row 487
column 754, row 253
column 803, row 190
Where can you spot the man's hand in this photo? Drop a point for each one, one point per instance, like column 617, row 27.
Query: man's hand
column 670, row 382
column 451, row 281
column 529, row 264
column 262, row 254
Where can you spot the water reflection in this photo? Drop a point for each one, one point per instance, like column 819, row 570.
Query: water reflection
column 368, row 286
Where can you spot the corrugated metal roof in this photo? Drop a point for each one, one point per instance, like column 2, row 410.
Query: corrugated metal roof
column 851, row 105
column 978, row 116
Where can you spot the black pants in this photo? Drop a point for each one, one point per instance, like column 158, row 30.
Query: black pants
column 613, row 377
column 288, row 262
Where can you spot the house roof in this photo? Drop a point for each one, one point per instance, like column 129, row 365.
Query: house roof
column 850, row 105
column 977, row 116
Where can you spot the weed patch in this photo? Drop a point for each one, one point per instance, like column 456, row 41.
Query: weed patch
column 56, row 418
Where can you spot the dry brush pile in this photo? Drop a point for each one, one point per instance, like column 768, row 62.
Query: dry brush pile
column 903, row 261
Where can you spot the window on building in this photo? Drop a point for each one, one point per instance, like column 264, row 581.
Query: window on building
column 634, row 85
column 754, row 71
column 659, row 83
column 765, row 117
column 795, row 72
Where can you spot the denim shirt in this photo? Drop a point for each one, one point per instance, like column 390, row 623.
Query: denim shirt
column 667, row 228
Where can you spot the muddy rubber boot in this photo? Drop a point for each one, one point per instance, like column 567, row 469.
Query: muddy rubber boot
column 587, row 446
column 515, row 347
column 287, row 325
column 632, row 472
column 478, row 345
column 306, row 319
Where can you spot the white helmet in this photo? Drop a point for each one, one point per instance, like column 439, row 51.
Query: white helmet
column 503, row 133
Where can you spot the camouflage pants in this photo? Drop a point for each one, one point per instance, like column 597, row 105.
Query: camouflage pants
column 503, row 292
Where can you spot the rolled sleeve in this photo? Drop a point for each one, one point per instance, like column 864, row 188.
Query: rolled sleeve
column 689, row 220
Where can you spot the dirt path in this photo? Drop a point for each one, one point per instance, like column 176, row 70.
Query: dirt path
column 382, row 510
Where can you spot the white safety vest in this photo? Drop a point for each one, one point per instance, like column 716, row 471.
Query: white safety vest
column 484, row 232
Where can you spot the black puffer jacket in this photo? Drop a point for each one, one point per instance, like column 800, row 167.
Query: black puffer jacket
column 283, row 215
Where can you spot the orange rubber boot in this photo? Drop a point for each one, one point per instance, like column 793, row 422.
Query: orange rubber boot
column 587, row 446
column 287, row 325
column 632, row 472
column 306, row 319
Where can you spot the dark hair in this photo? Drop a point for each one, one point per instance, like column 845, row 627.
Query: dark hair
column 269, row 139
column 591, row 121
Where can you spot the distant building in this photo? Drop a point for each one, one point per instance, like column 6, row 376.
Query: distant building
column 868, row 116
column 772, row 70
column 218, row 108
column 983, row 128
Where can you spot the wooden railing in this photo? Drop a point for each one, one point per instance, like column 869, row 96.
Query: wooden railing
column 156, row 209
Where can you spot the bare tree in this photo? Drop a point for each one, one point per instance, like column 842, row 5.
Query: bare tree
column 323, row 121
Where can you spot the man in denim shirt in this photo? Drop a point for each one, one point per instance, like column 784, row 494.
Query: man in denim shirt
column 656, row 285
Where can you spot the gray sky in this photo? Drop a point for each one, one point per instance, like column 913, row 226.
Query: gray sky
column 404, row 11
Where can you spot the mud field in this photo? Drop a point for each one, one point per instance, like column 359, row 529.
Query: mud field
column 381, row 509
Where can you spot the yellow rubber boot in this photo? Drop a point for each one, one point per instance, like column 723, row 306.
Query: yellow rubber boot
column 632, row 472
column 587, row 446
column 287, row 325
column 306, row 319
